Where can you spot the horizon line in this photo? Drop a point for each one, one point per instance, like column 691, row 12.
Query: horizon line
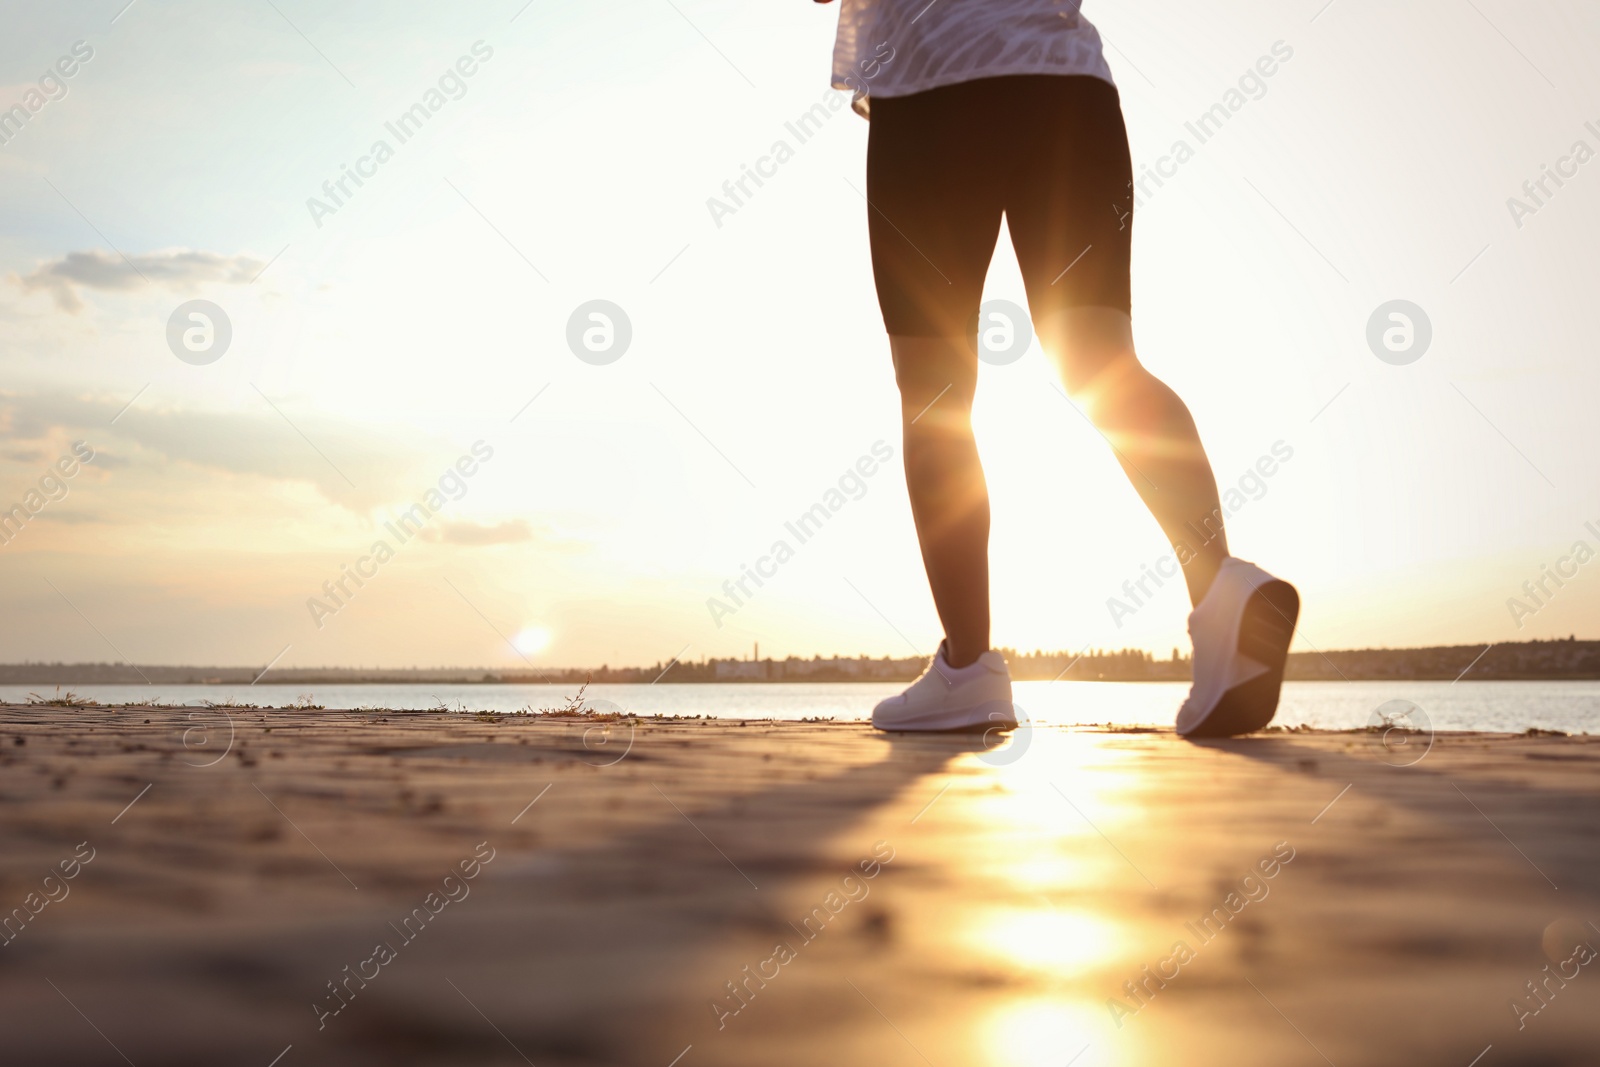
column 1037, row 652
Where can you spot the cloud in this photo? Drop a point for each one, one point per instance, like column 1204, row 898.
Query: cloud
column 473, row 533
column 110, row 272
column 386, row 463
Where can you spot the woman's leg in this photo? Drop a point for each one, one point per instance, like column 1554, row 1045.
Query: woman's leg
column 944, row 479
column 934, row 210
column 1151, row 430
column 1069, row 206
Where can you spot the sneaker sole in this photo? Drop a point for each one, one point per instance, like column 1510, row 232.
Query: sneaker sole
column 961, row 720
column 1264, row 635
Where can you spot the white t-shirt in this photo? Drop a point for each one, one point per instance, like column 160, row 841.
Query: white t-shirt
column 898, row 47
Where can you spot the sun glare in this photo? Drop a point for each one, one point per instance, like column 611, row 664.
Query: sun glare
column 1062, row 942
column 531, row 639
column 1047, row 1033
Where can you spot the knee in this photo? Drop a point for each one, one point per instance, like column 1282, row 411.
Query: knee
column 930, row 415
column 934, row 459
column 1100, row 378
column 1093, row 348
column 937, row 378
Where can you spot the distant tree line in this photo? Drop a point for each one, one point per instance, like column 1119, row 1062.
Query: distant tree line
column 1525, row 660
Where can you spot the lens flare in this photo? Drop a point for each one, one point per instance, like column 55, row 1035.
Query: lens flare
column 531, row 639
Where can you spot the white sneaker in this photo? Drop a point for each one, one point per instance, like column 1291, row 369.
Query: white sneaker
column 974, row 697
column 1241, row 632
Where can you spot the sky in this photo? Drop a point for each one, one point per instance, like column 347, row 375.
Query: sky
column 409, row 335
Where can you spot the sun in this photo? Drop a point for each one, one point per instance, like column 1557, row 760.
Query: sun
column 531, row 639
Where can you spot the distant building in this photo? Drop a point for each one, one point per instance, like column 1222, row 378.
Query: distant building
column 740, row 670
column 816, row 669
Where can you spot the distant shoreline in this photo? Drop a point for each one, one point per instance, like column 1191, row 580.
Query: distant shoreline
column 1555, row 660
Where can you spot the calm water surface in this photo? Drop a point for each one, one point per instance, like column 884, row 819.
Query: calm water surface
column 1573, row 707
